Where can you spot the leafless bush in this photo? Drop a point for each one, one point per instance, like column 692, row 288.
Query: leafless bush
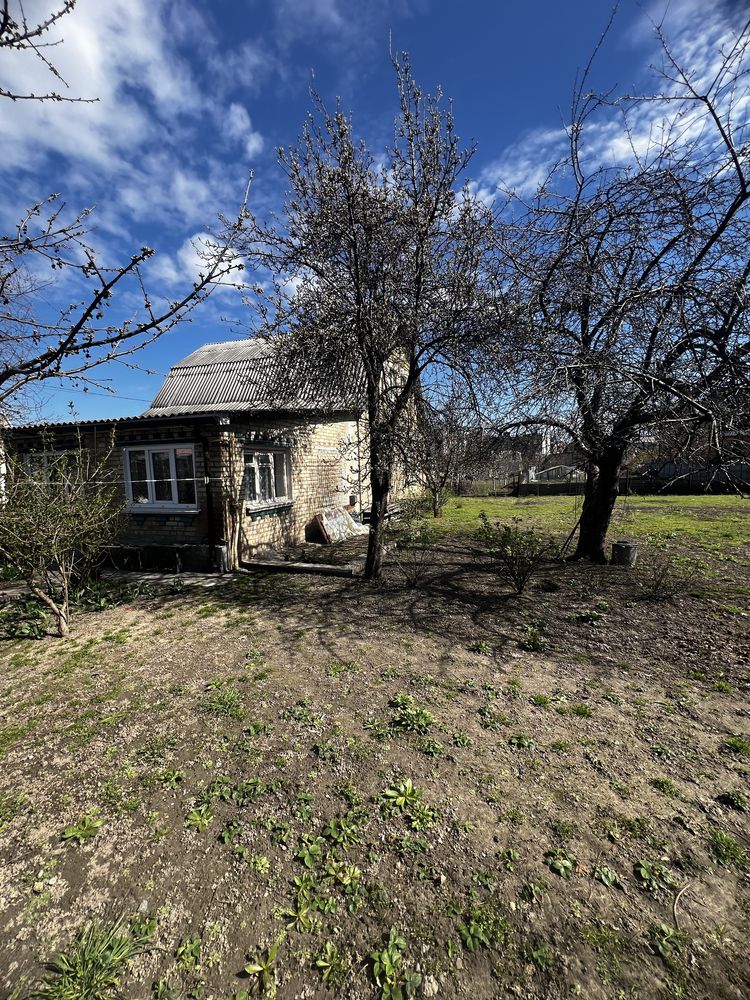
column 516, row 553
column 662, row 577
column 413, row 548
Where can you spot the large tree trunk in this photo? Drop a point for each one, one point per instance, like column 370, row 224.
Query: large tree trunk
column 602, row 484
column 380, row 485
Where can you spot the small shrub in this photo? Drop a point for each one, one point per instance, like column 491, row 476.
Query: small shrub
column 394, row 981
column 86, row 828
column 333, row 966
column 480, row 646
column 539, row 953
column 515, row 553
column 261, row 968
column 581, row 710
column 483, row 927
column 430, row 747
column 412, row 552
column 401, row 797
column 535, row 641
column 10, row 806
column 606, row 875
column 521, row 741
column 734, row 800
column 96, row 595
column 199, row 817
column 337, row 667
column 24, row 618
column 666, row 940
column 560, row 746
column 662, row 577
column 589, row 616
column 302, row 713
column 666, row 787
column 738, row 745
column 653, row 876
column 409, row 716
column 560, row 862
column 491, row 718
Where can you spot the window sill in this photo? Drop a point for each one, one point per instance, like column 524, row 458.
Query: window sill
column 275, row 507
column 155, row 508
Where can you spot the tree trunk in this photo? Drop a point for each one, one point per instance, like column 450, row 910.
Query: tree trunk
column 437, row 503
column 380, row 484
column 61, row 613
column 600, row 494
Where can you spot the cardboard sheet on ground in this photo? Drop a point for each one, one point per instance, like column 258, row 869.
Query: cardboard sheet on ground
column 336, row 524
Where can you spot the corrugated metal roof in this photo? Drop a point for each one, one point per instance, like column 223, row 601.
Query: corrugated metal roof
column 247, row 376
column 235, row 376
column 41, row 425
column 228, row 350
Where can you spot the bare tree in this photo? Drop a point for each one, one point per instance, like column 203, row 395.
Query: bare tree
column 19, row 34
column 632, row 280
column 37, row 343
column 47, row 245
column 60, row 510
column 449, row 442
column 379, row 267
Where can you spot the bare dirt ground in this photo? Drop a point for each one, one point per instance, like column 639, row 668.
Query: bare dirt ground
column 545, row 796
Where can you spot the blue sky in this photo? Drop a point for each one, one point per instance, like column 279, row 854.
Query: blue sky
column 192, row 95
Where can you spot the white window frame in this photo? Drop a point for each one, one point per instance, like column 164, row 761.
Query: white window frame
column 152, row 503
column 284, row 501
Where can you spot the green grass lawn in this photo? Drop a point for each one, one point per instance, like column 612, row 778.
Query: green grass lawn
column 712, row 523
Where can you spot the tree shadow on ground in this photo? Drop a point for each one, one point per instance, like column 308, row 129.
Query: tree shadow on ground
column 459, row 596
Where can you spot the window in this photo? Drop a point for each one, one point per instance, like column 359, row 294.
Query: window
column 268, row 478
column 163, row 475
column 49, row 466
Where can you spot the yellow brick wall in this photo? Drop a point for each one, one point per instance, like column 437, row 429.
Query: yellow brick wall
column 324, row 461
column 326, row 455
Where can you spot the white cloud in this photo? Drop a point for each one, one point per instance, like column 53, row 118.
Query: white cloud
column 139, row 154
column 238, row 126
column 698, row 37
column 297, row 17
column 117, row 53
column 522, row 167
column 190, row 261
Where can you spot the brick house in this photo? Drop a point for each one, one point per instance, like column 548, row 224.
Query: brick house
column 222, row 462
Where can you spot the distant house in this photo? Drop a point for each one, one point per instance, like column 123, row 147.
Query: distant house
column 224, row 462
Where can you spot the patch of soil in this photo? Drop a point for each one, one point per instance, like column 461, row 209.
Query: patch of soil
column 575, row 752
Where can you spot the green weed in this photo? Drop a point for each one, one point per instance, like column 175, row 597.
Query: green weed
column 261, row 968
column 409, row 716
column 224, row 702
column 86, row 828
column 725, row 850
column 92, row 967
column 394, row 981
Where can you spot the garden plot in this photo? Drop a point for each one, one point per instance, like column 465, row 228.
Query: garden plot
column 453, row 792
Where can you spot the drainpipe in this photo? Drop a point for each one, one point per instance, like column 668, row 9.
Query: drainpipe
column 213, row 541
column 359, row 472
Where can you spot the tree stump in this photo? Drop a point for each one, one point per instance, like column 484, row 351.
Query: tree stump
column 624, row 553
